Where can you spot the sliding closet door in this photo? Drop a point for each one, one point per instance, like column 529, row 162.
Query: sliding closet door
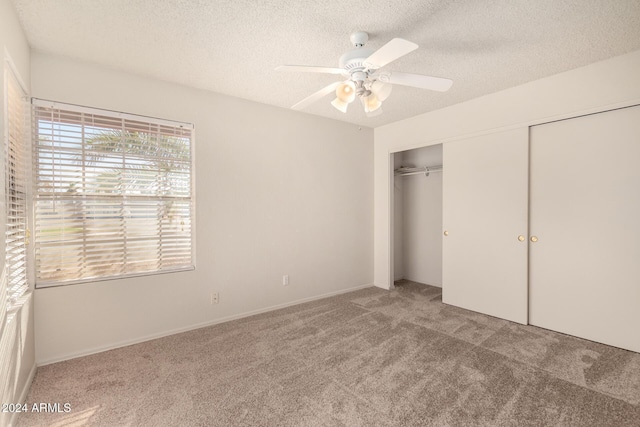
column 585, row 213
column 485, row 183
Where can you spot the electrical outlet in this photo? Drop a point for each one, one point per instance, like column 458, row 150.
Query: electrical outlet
column 214, row 298
column 285, row 279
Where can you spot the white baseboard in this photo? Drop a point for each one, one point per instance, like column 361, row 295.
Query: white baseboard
column 195, row 326
column 23, row 395
column 424, row 282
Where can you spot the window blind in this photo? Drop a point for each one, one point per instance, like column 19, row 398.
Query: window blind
column 15, row 283
column 113, row 194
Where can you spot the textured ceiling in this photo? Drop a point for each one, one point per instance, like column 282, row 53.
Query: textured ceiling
column 233, row 46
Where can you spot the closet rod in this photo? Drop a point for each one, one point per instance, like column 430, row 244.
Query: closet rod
column 403, row 171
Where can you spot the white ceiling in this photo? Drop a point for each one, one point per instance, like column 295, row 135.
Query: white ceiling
column 233, row 46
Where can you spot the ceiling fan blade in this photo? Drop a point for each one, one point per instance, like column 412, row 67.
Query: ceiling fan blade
column 316, row 96
column 423, row 82
column 311, row 69
column 389, row 52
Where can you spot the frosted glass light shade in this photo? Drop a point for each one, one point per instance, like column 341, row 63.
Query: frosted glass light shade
column 346, row 92
column 340, row 105
column 382, row 90
column 371, row 103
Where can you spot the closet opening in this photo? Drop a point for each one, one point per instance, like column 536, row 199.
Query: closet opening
column 417, row 215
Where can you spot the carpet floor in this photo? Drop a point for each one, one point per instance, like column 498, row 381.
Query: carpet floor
column 366, row 358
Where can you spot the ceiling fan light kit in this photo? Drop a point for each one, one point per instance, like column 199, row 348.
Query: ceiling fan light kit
column 361, row 66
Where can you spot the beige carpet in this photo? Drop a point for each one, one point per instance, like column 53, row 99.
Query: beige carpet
column 367, row 358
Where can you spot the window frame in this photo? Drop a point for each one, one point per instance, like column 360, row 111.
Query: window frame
column 116, row 115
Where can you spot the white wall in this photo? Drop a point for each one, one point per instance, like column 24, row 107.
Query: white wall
column 278, row 192
column 421, row 233
column 595, row 87
column 17, row 355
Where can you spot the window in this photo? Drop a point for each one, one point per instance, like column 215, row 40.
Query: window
column 14, row 283
column 113, row 194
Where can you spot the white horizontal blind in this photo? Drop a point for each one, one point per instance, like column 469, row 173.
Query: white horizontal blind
column 113, row 194
column 16, row 191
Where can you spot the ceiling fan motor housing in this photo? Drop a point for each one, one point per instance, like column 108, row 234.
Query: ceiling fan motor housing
column 353, row 60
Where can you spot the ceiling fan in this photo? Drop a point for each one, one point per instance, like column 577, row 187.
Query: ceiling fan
column 361, row 66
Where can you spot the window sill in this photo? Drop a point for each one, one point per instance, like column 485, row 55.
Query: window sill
column 43, row 285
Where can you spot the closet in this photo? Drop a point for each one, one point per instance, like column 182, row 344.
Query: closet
column 585, row 213
column 417, row 193
column 542, row 226
column 485, row 223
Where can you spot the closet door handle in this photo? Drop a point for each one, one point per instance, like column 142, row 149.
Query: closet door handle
column 446, row 233
column 534, row 239
column 521, row 238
